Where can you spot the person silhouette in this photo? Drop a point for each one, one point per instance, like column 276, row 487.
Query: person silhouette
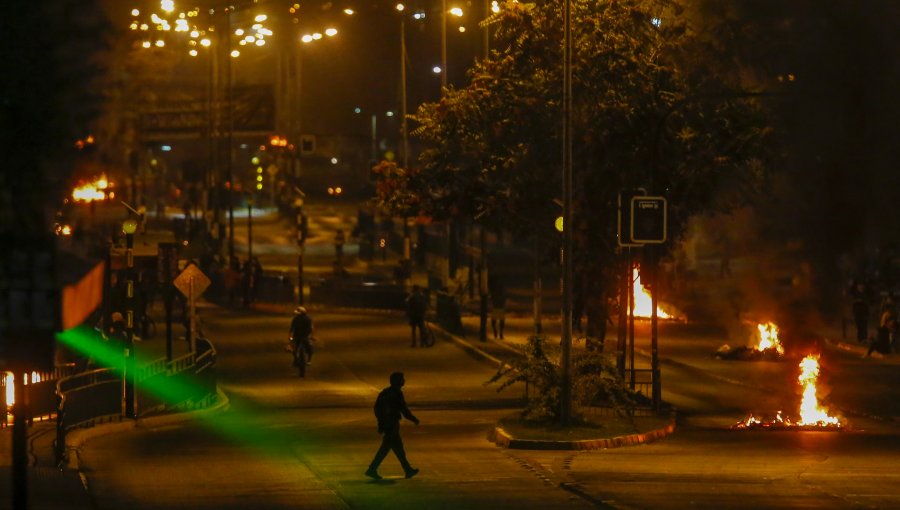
column 389, row 407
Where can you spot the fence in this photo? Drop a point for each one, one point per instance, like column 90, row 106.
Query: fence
column 40, row 395
column 88, row 398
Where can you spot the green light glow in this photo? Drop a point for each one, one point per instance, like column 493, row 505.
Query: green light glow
column 246, row 425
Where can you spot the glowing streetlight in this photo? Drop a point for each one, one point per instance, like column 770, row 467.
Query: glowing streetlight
column 456, row 11
column 331, row 32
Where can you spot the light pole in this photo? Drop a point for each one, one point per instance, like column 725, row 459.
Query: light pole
column 443, row 45
column 566, row 341
column 249, row 228
column 407, row 269
column 129, row 227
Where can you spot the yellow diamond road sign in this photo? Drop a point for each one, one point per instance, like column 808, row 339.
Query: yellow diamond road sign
column 192, row 275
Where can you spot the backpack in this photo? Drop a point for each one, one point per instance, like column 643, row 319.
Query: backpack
column 381, row 409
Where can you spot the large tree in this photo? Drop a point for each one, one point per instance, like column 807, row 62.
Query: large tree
column 652, row 109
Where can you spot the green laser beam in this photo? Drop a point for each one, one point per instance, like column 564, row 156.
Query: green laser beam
column 243, row 427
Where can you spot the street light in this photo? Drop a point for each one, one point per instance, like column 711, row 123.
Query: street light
column 129, row 227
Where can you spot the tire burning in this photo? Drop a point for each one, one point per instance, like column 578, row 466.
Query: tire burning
column 812, row 415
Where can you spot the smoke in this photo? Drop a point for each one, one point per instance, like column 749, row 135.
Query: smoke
column 829, row 213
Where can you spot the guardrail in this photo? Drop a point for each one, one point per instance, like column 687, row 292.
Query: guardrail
column 40, row 395
column 88, row 398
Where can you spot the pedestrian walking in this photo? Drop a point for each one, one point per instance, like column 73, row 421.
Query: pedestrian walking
column 256, row 279
column 416, row 308
column 339, row 241
column 389, row 407
column 498, row 306
column 859, row 293
column 232, row 279
column 301, row 339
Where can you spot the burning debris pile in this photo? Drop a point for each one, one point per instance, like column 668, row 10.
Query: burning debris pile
column 812, row 416
column 99, row 189
column 767, row 347
column 643, row 300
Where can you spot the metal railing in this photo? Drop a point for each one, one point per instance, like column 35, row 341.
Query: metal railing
column 40, row 395
column 97, row 396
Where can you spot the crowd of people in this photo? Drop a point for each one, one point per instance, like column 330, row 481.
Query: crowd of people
column 867, row 304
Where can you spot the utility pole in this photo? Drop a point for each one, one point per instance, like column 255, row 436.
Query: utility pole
column 566, row 341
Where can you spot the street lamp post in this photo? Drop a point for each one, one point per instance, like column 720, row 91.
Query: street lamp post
column 129, row 227
column 301, row 244
column 443, row 44
column 249, row 229
column 566, row 341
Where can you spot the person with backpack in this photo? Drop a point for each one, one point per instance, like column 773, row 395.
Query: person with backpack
column 389, row 407
column 301, row 339
column 416, row 307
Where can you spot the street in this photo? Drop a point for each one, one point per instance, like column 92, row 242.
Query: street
column 287, row 442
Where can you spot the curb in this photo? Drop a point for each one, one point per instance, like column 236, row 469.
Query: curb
column 502, row 439
column 78, row 437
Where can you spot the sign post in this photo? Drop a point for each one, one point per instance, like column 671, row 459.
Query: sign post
column 192, row 283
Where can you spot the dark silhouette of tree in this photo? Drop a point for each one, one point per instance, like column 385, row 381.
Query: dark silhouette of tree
column 51, row 53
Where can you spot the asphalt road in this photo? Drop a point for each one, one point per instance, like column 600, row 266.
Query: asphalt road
column 288, row 442
column 292, row 443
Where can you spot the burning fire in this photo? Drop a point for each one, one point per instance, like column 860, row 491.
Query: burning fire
column 91, row 191
column 810, row 412
column 11, row 386
column 643, row 304
column 811, row 415
column 768, row 338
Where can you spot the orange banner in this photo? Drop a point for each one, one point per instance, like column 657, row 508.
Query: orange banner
column 80, row 299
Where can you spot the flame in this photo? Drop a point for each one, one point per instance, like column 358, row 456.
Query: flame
column 91, row 191
column 810, row 412
column 643, row 304
column 10, row 389
column 811, row 415
column 11, row 386
column 768, row 338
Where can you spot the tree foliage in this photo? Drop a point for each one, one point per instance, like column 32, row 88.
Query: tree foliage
column 650, row 110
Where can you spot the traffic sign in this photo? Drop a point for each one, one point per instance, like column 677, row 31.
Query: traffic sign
column 192, row 276
column 648, row 220
column 623, row 217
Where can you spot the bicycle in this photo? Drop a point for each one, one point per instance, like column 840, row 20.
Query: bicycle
column 428, row 336
column 302, row 353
